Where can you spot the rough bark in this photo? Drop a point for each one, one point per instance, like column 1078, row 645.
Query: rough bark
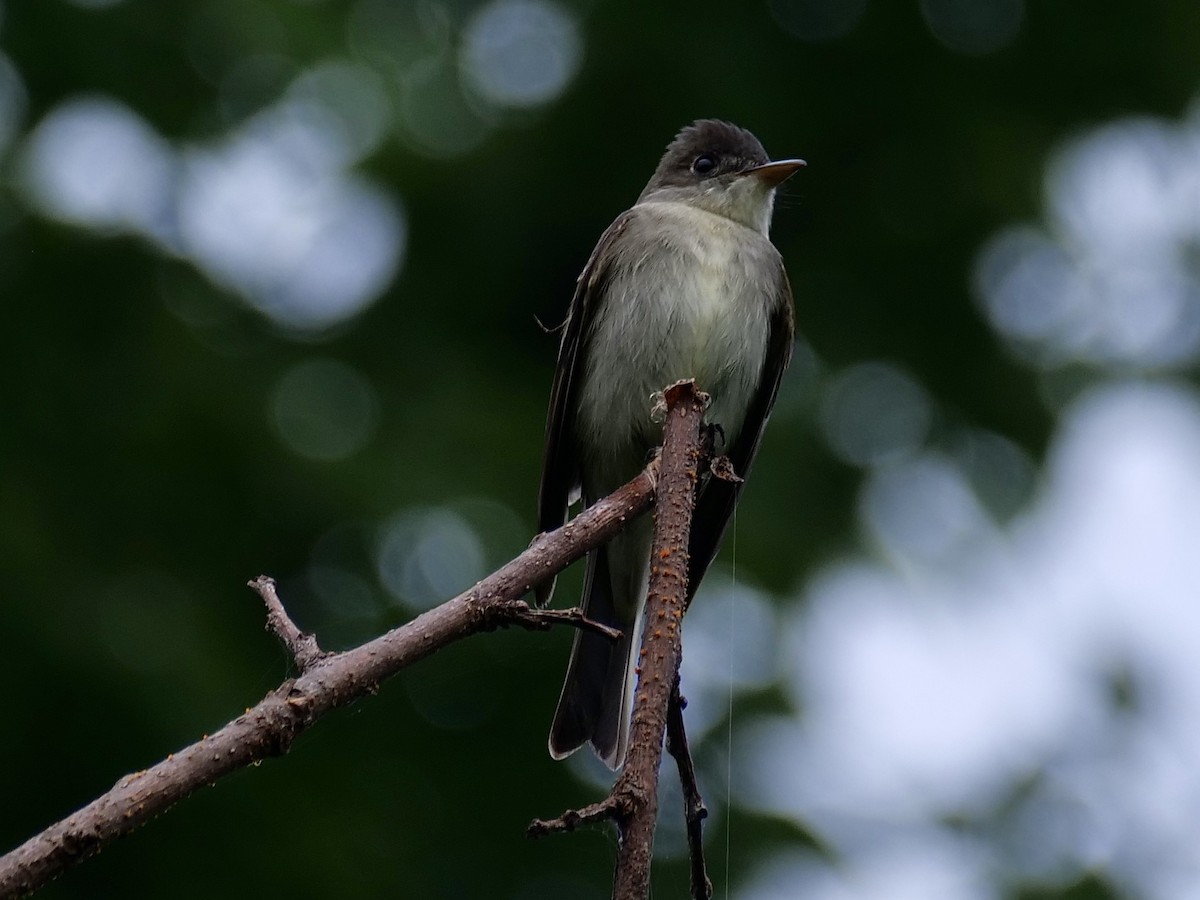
column 633, row 802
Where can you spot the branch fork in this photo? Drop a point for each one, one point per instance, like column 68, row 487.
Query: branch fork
column 302, row 647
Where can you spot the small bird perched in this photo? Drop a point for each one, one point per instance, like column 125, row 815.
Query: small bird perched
column 686, row 284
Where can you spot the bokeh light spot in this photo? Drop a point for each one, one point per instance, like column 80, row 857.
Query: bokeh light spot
column 521, row 52
column 730, row 638
column 269, row 212
column 926, row 863
column 345, row 594
column 975, row 27
column 1028, row 286
column 393, row 37
column 92, row 161
column 253, row 83
column 874, row 411
column 269, row 215
column 324, row 410
column 922, row 509
column 435, row 118
column 817, row 20
column 1001, row 473
column 426, row 556
column 356, row 98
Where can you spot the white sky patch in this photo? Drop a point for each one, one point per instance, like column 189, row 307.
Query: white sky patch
column 926, row 864
column 94, row 162
column 923, row 510
column 306, row 245
column 1113, row 277
column 270, row 211
column 929, row 691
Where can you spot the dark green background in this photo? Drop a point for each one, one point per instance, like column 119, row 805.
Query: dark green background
column 141, row 483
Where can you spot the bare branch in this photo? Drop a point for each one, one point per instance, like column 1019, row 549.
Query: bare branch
column 303, row 647
column 610, row 809
column 544, row 619
column 694, row 810
column 326, row 682
column 666, row 601
column 633, row 802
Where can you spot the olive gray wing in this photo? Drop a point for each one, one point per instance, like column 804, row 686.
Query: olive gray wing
column 560, row 458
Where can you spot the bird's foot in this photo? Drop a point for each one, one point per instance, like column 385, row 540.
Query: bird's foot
column 722, row 469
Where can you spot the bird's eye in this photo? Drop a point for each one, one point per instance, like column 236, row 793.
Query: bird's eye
column 704, row 164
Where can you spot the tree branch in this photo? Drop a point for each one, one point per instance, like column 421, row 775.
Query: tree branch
column 694, row 810
column 633, row 802
column 303, row 647
column 326, row 682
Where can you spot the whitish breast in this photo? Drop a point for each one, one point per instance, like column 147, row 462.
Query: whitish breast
column 691, row 298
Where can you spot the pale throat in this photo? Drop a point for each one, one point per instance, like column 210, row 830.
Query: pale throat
column 745, row 200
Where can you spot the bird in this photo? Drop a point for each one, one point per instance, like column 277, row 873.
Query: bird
column 684, row 284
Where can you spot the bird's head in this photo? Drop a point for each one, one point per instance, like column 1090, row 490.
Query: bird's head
column 721, row 168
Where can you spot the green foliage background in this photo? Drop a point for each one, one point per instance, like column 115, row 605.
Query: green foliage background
column 141, row 482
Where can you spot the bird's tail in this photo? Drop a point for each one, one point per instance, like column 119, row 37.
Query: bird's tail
column 598, row 692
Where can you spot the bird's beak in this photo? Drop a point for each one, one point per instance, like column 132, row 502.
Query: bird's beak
column 776, row 173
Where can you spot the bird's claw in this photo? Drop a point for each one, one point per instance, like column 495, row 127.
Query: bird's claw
column 722, row 469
